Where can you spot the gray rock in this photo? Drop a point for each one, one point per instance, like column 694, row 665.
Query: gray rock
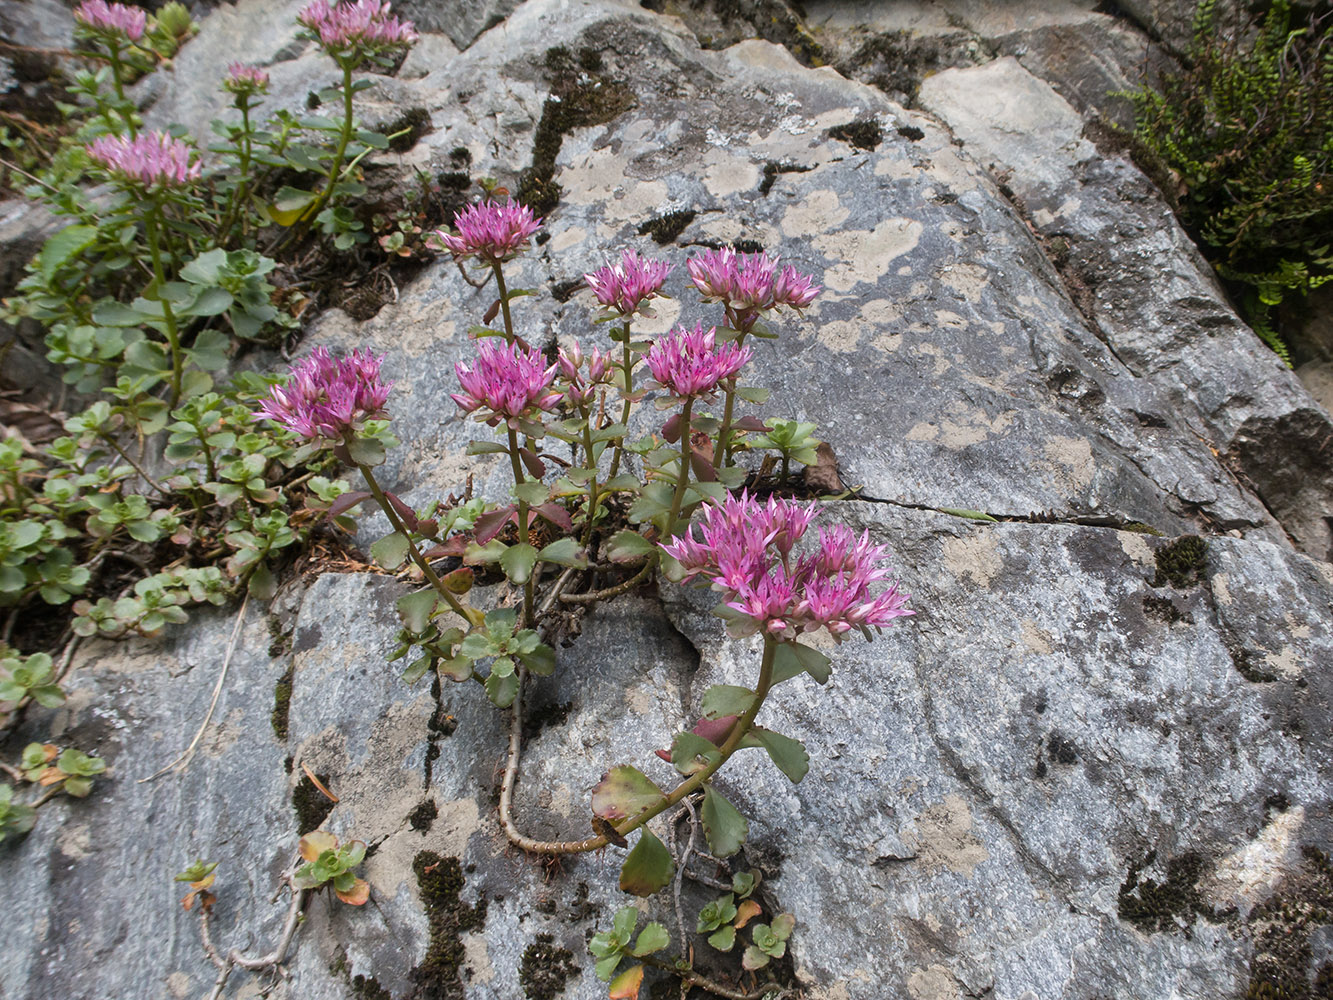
column 463, row 21
column 1145, row 288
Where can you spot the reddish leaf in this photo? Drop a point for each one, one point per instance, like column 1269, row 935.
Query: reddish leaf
column 822, row 477
column 671, row 429
column 492, row 523
column 715, row 731
column 556, row 514
column 454, row 546
column 405, row 512
column 703, row 468
column 534, row 464
column 491, row 313
column 346, row 502
column 745, row 912
column 315, row 843
column 317, row 783
column 626, row 985
column 357, row 895
column 459, row 581
column 749, row 424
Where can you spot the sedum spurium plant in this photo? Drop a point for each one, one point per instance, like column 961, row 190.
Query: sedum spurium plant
column 163, row 493
column 777, row 579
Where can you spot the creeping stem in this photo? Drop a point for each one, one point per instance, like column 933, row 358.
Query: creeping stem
column 685, row 788
column 467, row 614
column 150, row 220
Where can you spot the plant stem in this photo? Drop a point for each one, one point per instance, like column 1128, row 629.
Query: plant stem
column 168, row 317
column 592, row 483
column 498, row 268
column 708, row 985
column 339, row 152
column 627, row 365
column 467, row 614
column 683, row 480
column 119, row 87
column 620, row 588
column 235, row 212
column 109, row 439
column 685, row 788
column 522, row 526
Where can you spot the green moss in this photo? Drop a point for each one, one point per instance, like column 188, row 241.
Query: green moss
column 312, row 806
column 1280, row 969
column 580, row 97
column 1139, row 528
column 368, row 989
column 1164, row 906
column 440, row 884
column 1164, row 609
column 1181, row 563
column 866, row 134
column 423, row 816
column 545, row 968
column 414, row 123
column 771, row 170
column 282, row 705
column 665, row 228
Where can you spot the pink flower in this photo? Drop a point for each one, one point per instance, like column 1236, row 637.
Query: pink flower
column 743, row 548
column 243, row 79
column 150, row 159
column 627, row 285
column 351, row 31
column 113, row 19
column 579, row 390
column 506, row 383
column 490, row 231
column 686, row 362
column 750, row 283
column 326, row 397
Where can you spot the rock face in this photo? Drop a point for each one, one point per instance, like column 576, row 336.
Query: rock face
column 1090, row 766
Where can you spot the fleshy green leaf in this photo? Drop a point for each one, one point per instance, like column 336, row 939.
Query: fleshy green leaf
column 366, row 451
column 532, row 493
column 565, row 552
column 686, row 748
column 723, row 938
column 629, row 546
column 793, row 658
column 788, row 754
column 517, row 562
column 724, row 826
column 390, row 551
column 502, row 690
column 726, row 699
column 648, row 868
column 623, row 793
column 416, row 609
column 652, row 938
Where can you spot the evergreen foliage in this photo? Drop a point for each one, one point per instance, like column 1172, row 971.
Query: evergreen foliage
column 1246, row 129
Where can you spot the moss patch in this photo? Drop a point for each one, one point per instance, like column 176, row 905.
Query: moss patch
column 1164, row 906
column 581, row 95
column 440, row 883
column 866, row 134
column 1282, row 927
column 423, row 816
column 582, row 908
column 413, row 123
column 910, row 132
column 312, row 806
column 545, row 968
column 282, row 705
column 665, row 228
column 1164, row 610
column 1181, row 563
column 771, row 170
column 369, row 989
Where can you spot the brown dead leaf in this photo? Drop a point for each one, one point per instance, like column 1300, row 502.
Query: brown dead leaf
column 822, row 477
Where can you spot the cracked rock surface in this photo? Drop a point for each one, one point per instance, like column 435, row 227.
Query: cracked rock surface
column 1077, row 772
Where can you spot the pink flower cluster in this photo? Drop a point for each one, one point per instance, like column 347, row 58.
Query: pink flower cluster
column 745, row 549
column 579, row 390
column 115, row 19
column 150, row 159
column 627, row 285
column 750, row 282
column 506, row 383
column 243, row 79
column 688, row 363
column 354, row 30
column 492, row 232
column 326, row 397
